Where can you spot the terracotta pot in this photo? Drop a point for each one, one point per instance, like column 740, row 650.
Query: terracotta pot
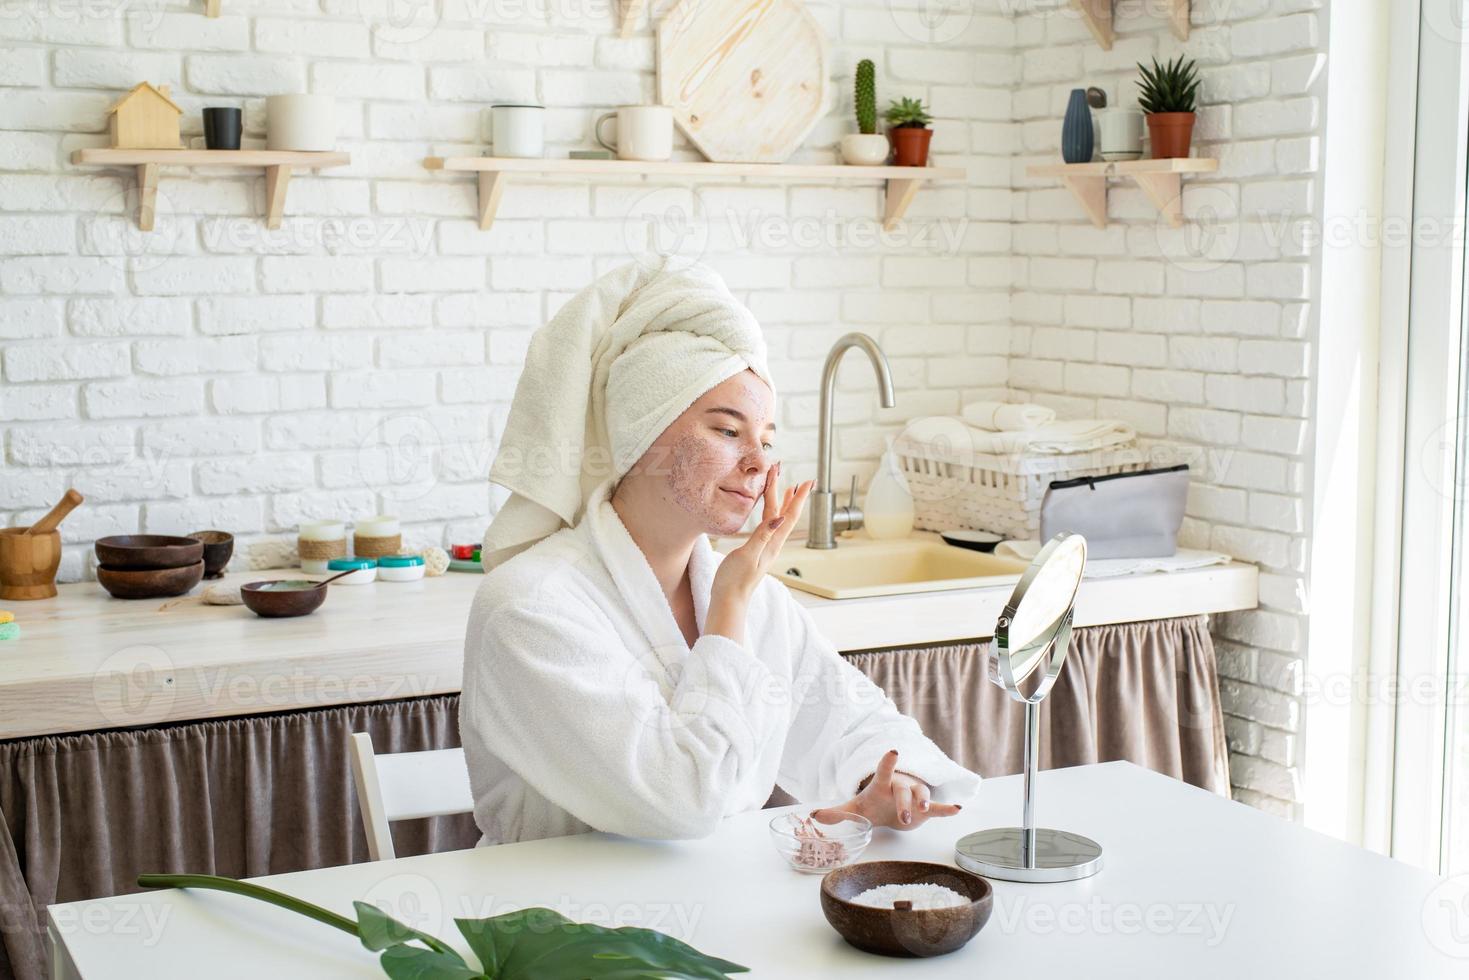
column 910, row 145
column 1171, row 133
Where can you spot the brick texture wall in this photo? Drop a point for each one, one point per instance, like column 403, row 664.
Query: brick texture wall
column 361, row 358
column 1200, row 336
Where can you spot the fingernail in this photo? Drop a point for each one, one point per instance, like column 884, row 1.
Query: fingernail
column 892, row 751
column 958, row 806
column 923, row 806
column 906, row 816
column 775, row 524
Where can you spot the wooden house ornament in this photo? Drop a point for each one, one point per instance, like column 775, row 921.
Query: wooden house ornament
column 145, row 119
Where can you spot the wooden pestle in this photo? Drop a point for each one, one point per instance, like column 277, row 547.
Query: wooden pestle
column 57, row 514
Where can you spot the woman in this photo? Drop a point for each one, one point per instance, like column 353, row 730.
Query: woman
column 618, row 674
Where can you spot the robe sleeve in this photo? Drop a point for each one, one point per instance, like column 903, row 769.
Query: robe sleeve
column 843, row 723
column 561, row 702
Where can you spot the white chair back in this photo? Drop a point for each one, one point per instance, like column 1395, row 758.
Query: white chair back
column 406, row 786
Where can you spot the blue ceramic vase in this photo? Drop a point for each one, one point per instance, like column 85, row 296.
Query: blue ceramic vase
column 1076, row 131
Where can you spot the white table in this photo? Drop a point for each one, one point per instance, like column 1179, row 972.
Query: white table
column 1193, row 886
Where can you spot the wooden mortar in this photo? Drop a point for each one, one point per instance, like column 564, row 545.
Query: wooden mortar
column 28, row 563
column 29, row 556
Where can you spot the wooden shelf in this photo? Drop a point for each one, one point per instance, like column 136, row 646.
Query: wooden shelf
column 1098, row 17
column 278, row 166
column 632, row 12
column 902, row 182
column 1160, row 180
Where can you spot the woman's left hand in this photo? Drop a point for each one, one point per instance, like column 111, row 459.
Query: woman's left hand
column 891, row 799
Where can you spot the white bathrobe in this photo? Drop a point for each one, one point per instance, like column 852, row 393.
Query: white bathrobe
column 584, row 708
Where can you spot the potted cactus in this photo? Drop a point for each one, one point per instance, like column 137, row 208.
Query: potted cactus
column 866, row 147
column 1168, row 97
column 908, row 121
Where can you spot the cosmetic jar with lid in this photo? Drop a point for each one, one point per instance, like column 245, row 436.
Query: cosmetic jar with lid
column 373, row 537
column 363, row 570
column 318, row 542
column 400, row 568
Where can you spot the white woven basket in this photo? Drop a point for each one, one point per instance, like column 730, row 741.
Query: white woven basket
column 996, row 492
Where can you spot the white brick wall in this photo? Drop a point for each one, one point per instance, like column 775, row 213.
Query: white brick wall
column 1203, row 338
column 215, row 373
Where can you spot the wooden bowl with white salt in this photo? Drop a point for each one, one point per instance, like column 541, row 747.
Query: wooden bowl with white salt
column 906, row 908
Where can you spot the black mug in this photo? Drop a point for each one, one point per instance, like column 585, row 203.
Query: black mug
column 222, row 128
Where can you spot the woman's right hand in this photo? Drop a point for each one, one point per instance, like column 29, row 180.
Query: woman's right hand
column 742, row 569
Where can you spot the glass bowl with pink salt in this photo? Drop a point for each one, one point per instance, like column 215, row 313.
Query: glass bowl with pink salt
column 815, row 847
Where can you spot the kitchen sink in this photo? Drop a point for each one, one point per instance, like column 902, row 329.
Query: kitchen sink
column 861, row 566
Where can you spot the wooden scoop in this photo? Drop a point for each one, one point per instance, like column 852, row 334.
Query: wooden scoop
column 57, row 514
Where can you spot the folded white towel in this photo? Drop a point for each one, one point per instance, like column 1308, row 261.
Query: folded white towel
column 1006, row 416
column 1078, row 436
column 610, row 371
column 953, row 437
column 1183, row 558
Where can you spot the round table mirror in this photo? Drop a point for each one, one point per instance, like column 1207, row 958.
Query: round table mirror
column 1032, row 636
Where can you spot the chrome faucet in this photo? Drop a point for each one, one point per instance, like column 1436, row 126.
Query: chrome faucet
column 826, row 517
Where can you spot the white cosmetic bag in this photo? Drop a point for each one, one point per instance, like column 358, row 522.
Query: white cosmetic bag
column 1121, row 515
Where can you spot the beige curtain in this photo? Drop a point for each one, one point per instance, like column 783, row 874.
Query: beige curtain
column 81, row 816
column 1144, row 692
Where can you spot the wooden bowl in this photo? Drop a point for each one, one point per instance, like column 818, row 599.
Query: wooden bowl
column 28, row 563
column 912, row 932
column 218, row 547
column 135, row 552
column 149, row 583
column 268, row 599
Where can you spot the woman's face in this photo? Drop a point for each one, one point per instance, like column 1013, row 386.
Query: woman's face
column 709, row 466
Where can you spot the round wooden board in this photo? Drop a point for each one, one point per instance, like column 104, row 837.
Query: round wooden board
column 746, row 79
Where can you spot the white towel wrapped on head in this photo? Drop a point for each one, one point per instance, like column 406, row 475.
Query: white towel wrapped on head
column 610, row 371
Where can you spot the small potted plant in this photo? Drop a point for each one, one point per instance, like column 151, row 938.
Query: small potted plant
column 1168, row 97
column 866, row 147
column 908, row 121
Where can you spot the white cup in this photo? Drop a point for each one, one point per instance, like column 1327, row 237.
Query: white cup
column 1120, row 133
column 644, row 132
column 518, row 130
column 300, row 122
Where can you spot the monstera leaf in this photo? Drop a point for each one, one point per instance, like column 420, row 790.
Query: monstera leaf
column 528, row 944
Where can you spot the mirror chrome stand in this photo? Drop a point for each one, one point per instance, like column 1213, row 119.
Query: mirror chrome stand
column 1030, row 853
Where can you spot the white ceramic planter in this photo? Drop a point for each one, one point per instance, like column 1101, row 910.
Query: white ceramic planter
column 1120, row 133
column 300, row 122
column 865, row 149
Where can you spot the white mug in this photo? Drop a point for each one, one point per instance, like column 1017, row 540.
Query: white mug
column 517, row 130
column 644, row 132
column 300, row 122
column 1120, row 133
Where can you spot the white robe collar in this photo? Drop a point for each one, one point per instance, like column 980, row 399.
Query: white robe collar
column 637, row 584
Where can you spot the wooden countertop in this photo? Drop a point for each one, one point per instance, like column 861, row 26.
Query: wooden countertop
column 86, row 661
